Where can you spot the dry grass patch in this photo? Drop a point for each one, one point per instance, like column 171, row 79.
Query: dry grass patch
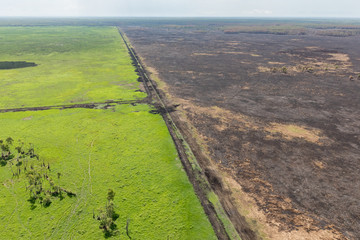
column 263, row 69
column 268, row 228
column 328, row 63
column 291, row 131
column 232, row 43
column 235, row 53
column 276, row 63
column 154, row 75
column 226, row 118
column 312, row 48
column 203, row 54
column 341, row 57
column 242, row 122
column 319, row 164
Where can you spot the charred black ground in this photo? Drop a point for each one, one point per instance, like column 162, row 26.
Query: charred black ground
column 280, row 113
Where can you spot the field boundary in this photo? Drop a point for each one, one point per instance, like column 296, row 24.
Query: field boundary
column 218, row 216
column 76, row 105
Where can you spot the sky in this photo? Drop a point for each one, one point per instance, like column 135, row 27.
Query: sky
column 183, row 8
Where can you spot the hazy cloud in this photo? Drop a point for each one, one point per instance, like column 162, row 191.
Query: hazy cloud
column 227, row 8
column 258, row 12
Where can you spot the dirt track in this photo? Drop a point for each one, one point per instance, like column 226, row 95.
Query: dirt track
column 289, row 138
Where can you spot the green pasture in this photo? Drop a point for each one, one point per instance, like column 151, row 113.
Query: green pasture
column 125, row 148
column 75, row 65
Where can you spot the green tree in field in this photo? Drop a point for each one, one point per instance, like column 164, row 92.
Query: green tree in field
column 9, row 150
column 107, row 216
column 42, row 188
column 6, row 150
column 111, row 195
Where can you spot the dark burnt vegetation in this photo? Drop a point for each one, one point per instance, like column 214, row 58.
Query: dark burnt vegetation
column 244, row 75
column 24, row 163
column 18, row 64
column 159, row 109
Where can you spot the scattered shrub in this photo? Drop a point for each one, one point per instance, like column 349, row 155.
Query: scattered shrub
column 40, row 185
column 107, row 216
column 309, row 69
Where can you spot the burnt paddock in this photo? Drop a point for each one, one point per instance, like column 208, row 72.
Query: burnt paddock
column 281, row 114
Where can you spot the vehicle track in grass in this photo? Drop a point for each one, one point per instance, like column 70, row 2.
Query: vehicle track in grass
column 85, row 194
column 68, row 214
column 15, row 212
column 89, row 165
column 67, row 221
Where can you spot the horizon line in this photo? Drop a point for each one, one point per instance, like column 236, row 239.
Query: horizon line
column 232, row 17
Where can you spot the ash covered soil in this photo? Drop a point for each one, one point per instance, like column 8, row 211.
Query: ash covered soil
column 279, row 113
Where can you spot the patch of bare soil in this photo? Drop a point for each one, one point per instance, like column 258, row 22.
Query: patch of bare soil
column 284, row 145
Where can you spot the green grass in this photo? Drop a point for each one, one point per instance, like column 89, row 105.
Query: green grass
column 75, row 64
column 230, row 229
column 126, row 149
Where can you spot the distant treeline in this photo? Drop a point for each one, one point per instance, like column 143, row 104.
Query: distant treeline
column 296, row 29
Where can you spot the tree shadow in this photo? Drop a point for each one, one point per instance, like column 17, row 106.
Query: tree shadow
column 112, row 232
column 32, row 201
